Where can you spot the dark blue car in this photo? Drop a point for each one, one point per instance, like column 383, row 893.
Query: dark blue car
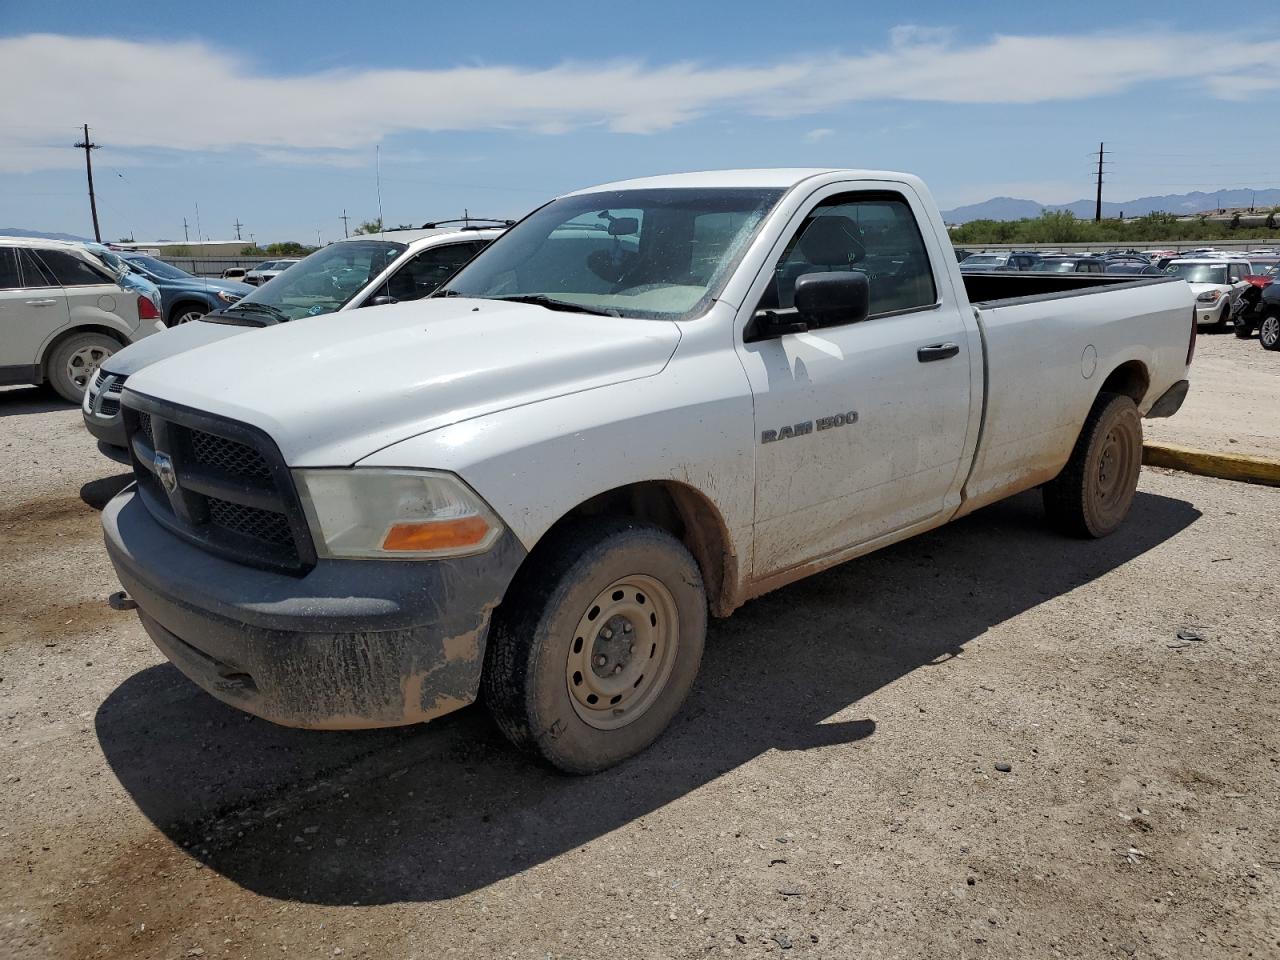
column 186, row 297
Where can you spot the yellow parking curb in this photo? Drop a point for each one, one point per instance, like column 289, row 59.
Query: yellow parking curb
column 1227, row 466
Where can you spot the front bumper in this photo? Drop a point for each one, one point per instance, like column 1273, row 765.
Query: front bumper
column 354, row 643
column 1208, row 314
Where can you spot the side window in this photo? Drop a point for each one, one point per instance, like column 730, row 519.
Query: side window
column 34, row 273
column 874, row 233
column 70, row 270
column 10, row 279
column 428, row 270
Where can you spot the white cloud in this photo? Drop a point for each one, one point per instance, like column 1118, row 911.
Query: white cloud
column 199, row 98
column 818, row 133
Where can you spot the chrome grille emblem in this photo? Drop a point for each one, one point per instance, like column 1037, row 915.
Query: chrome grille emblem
column 164, row 470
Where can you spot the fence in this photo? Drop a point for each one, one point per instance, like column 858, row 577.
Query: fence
column 1240, row 245
column 213, row 266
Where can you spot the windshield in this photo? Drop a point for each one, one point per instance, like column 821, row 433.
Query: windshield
column 325, row 281
column 982, row 258
column 158, row 268
column 1055, row 266
column 1199, row 272
column 661, row 254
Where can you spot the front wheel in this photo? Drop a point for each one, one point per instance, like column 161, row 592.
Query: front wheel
column 1269, row 332
column 186, row 313
column 594, row 653
column 1093, row 494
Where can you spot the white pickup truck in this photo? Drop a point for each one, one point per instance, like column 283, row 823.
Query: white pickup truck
column 646, row 402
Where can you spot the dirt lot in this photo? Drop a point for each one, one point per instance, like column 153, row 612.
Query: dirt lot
column 1234, row 403
column 830, row 791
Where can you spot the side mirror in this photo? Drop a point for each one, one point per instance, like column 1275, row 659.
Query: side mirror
column 381, row 301
column 824, row 299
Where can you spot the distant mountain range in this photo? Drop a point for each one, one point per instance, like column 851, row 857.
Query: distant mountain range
column 1011, row 208
column 40, row 234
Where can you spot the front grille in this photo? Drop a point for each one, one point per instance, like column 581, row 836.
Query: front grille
column 104, row 394
column 263, row 525
column 229, row 489
column 223, row 454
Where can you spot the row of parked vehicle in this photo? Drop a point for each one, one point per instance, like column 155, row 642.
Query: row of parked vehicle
column 1232, row 289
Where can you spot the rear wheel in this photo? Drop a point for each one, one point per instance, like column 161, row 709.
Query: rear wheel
column 596, row 650
column 1269, row 332
column 74, row 362
column 1093, row 494
column 1243, row 328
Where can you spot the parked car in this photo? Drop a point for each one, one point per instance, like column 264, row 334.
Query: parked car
column 1218, row 285
column 126, row 275
column 989, row 262
column 1263, row 313
column 645, row 402
column 235, row 273
column 62, row 313
column 1263, row 270
column 364, row 271
column 186, row 297
column 269, row 271
column 1131, row 265
column 1064, row 263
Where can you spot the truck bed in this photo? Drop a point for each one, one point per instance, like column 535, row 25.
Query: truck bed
column 998, row 288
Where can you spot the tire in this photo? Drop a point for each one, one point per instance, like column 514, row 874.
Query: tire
column 1220, row 325
column 1243, row 328
column 186, row 312
column 1093, row 494
column 72, row 363
column 1269, row 332
column 621, row 579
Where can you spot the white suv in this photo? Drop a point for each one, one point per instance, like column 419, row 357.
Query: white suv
column 364, row 271
column 1218, row 284
column 62, row 314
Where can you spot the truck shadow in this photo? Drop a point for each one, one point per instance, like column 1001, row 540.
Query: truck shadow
column 434, row 812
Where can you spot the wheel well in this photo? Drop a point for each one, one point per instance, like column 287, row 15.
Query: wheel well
column 686, row 514
column 74, row 331
column 1130, row 378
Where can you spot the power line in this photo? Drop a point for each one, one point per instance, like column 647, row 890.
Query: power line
column 1097, row 215
column 238, row 225
column 88, row 145
column 344, row 219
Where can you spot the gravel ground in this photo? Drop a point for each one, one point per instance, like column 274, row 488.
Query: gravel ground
column 1234, row 402
column 831, row 790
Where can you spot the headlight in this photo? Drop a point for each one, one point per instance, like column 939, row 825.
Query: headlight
column 226, row 296
column 395, row 514
column 1209, row 296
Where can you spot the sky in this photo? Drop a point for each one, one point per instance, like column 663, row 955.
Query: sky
column 281, row 116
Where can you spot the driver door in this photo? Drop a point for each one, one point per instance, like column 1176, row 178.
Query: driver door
column 860, row 426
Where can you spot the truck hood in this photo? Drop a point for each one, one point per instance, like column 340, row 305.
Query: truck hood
column 168, row 343
column 341, row 386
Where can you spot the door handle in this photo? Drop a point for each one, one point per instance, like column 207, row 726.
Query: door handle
column 937, row 351
column 41, row 303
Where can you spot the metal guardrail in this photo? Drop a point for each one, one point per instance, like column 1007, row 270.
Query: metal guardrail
column 1102, row 246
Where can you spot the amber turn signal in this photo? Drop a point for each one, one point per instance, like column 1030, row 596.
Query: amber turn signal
column 436, row 535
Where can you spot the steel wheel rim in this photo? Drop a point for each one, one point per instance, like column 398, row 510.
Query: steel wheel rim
column 1115, row 465
column 1270, row 331
column 84, row 363
column 188, row 317
column 622, row 652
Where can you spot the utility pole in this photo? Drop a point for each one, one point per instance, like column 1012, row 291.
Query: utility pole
column 87, row 145
column 344, row 219
column 186, row 236
column 238, row 225
column 1097, row 210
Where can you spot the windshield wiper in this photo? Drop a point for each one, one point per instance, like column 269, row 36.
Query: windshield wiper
column 551, row 303
column 275, row 312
